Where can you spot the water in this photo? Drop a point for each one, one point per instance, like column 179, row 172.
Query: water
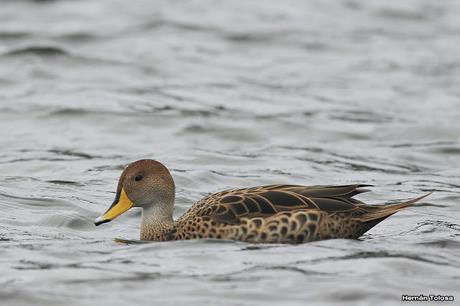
column 226, row 94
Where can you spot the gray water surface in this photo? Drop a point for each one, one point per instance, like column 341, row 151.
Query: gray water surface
column 226, row 94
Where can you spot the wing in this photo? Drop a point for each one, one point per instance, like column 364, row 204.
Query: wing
column 232, row 205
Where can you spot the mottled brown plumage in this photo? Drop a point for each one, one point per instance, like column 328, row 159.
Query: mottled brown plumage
column 266, row 214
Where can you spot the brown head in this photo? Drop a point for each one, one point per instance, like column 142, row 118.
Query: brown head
column 145, row 183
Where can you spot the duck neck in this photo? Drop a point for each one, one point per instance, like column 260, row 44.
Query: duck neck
column 157, row 221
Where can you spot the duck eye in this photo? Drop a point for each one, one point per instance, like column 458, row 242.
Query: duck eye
column 138, row 178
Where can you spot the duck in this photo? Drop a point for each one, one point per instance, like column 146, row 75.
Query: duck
column 264, row 214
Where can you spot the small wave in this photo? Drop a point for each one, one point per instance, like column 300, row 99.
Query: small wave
column 128, row 241
column 378, row 254
column 133, row 277
column 73, row 153
column 362, row 117
column 47, row 51
column 422, row 144
column 252, row 37
column 76, row 112
column 119, row 167
column 64, row 182
column 437, row 224
column 77, row 37
column 409, row 15
column 449, row 150
column 287, row 268
column 441, row 243
column 72, row 221
column 37, row 265
column 3, row 238
column 69, row 112
column 43, row 1
column 14, row 35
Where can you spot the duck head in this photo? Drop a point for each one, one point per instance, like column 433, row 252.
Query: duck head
column 147, row 184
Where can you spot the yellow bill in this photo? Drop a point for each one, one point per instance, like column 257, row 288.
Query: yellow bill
column 121, row 204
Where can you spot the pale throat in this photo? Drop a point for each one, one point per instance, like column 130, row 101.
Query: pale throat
column 157, row 217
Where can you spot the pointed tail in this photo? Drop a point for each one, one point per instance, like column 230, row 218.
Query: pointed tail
column 380, row 212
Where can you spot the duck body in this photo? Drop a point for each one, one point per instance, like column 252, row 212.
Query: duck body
column 263, row 214
column 278, row 214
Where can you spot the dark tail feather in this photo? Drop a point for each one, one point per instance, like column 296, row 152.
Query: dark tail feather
column 380, row 212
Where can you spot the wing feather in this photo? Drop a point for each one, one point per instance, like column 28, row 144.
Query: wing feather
column 265, row 201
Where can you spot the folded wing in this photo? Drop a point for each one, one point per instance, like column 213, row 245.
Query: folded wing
column 232, row 205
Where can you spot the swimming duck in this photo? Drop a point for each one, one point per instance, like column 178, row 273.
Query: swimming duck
column 264, row 214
